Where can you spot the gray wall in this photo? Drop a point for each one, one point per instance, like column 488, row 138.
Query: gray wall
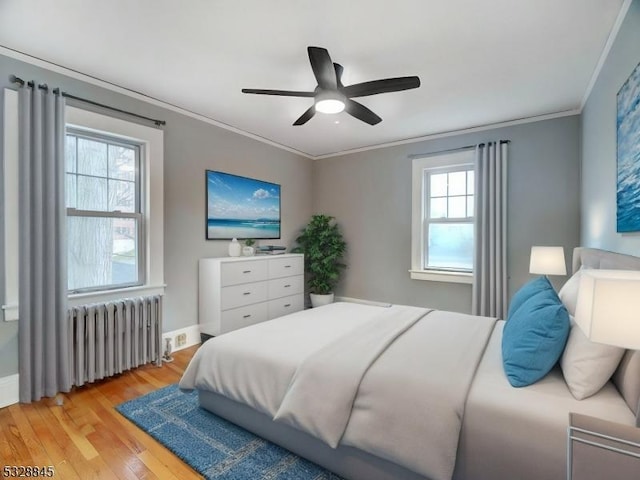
column 370, row 195
column 191, row 146
column 599, row 143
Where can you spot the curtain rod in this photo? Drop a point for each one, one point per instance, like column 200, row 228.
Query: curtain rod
column 458, row 149
column 21, row 82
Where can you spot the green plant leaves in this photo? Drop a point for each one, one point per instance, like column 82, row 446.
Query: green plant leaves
column 323, row 246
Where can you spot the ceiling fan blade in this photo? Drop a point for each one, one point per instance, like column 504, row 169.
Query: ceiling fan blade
column 283, row 93
column 361, row 112
column 322, row 68
column 381, row 86
column 306, row 116
column 339, row 69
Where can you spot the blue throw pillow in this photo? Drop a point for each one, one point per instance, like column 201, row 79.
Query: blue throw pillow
column 533, row 343
column 528, row 290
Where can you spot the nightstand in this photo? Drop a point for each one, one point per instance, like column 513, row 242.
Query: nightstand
column 598, row 449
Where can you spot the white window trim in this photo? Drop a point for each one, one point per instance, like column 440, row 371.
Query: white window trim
column 153, row 208
column 463, row 157
column 11, row 233
column 152, row 163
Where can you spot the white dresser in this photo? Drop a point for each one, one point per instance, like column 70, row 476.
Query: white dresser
column 235, row 292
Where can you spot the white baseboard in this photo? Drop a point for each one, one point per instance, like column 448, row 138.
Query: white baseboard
column 9, row 385
column 9, row 390
column 193, row 337
column 365, row 302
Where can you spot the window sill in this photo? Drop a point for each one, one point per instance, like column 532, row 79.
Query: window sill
column 440, row 276
column 10, row 313
column 108, row 295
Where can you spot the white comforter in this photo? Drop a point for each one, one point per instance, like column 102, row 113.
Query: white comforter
column 389, row 381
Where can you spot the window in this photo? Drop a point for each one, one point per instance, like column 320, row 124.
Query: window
column 140, row 219
column 443, row 217
column 104, row 214
column 448, row 223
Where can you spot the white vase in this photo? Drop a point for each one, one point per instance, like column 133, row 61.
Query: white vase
column 248, row 251
column 235, row 249
column 320, row 300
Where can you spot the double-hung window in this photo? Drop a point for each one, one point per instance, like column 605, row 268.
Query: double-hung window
column 105, row 222
column 443, row 217
column 114, row 198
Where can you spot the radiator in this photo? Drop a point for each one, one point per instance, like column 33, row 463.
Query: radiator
column 109, row 338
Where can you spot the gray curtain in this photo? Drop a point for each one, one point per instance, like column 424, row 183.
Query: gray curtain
column 43, row 328
column 489, row 295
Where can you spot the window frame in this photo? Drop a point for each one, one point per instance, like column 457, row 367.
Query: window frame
column 152, row 202
column 137, row 215
column 427, row 220
column 152, row 198
column 443, row 162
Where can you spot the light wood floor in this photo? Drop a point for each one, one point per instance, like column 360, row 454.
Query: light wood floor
column 87, row 438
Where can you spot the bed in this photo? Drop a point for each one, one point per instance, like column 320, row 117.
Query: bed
column 401, row 392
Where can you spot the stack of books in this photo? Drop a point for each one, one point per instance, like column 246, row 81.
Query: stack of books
column 270, row 249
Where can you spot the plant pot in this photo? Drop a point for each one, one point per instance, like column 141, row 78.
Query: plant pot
column 248, row 251
column 320, row 300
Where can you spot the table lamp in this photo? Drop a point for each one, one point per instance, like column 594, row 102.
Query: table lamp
column 547, row 261
column 608, row 309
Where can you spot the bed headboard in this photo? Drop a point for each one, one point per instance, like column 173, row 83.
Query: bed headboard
column 602, row 259
column 627, row 377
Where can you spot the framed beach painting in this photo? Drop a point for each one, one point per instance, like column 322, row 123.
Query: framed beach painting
column 628, row 156
column 241, row 207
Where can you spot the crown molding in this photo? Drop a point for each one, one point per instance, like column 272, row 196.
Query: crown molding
column 160, row 103
column 453, row 133
column 605, row 51
column 39, row 62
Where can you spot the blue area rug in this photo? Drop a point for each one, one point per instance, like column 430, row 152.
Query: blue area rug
column 214, row 447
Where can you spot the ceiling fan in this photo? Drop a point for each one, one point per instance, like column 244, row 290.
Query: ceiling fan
column 331, row 96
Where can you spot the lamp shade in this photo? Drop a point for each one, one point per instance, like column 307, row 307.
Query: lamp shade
column 547, row 261
column 608, row 308
column 329, row 102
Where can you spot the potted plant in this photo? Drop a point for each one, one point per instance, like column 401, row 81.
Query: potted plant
column 323, row 247
column 248, row 249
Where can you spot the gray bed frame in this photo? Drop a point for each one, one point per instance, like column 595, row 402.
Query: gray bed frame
column 348, row 462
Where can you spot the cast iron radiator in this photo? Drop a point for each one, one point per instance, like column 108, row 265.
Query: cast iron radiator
column 109, row 338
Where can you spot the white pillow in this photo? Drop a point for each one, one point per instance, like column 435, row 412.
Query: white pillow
column 587, row 365
column 569, row 292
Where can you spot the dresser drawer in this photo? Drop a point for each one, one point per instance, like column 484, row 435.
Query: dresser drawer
column 234, row 273
column 285, row 305
column 243, row 317
column 245, row 294
column 286, row 267
column 285, row 286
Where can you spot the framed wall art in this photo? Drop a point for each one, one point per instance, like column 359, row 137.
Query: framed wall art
column 628, row 154
column 241, row 207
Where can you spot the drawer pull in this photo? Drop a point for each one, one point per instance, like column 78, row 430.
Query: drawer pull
column 287, row 286
column 246, row 316
column 287, row 305
column 247, row 293
column 287, row 266
column 246, row 271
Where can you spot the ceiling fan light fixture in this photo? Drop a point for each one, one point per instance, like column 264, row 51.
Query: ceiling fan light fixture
column 329, row 102
column 331, row 96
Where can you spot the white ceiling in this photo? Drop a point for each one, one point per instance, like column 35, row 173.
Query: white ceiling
column 480, row 61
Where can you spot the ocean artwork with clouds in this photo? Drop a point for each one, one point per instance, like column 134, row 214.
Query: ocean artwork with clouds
column 241, row 207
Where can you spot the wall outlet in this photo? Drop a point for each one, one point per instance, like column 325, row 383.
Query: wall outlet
column 181, row 339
